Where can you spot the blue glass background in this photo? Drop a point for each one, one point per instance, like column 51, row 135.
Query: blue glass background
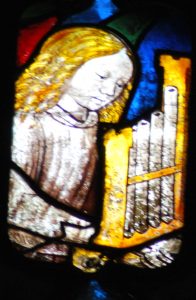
column 99, row 11
column 169, row 34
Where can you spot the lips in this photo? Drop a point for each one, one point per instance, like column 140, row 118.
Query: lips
column 98, row 100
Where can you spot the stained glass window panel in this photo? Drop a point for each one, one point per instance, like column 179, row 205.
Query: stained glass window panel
column 99, row 138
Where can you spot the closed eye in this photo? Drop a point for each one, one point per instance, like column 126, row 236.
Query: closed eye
column 120, row 84
column 102, row 76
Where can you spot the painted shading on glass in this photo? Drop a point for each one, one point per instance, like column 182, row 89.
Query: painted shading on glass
column 100, row 142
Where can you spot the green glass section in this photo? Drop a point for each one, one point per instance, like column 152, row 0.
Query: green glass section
column 131, row 26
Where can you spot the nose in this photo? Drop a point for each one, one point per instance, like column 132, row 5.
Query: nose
column 108, row 89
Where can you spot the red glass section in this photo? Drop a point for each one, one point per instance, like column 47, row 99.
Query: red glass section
column 30, row 36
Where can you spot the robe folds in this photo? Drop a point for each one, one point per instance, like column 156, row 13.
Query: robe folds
column 55, row 157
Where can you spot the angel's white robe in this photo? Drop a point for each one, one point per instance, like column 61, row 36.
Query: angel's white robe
column 59, row 154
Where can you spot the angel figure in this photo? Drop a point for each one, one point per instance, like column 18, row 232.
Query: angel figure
column 77, row 73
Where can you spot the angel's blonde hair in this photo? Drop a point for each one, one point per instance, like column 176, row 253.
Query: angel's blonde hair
column 41, row 84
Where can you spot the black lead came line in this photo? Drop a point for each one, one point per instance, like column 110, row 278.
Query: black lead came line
column 48, row 199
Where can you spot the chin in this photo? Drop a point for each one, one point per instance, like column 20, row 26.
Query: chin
column 94, row 107
column 97, row 106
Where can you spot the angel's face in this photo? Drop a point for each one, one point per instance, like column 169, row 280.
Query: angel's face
column 101, row 80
